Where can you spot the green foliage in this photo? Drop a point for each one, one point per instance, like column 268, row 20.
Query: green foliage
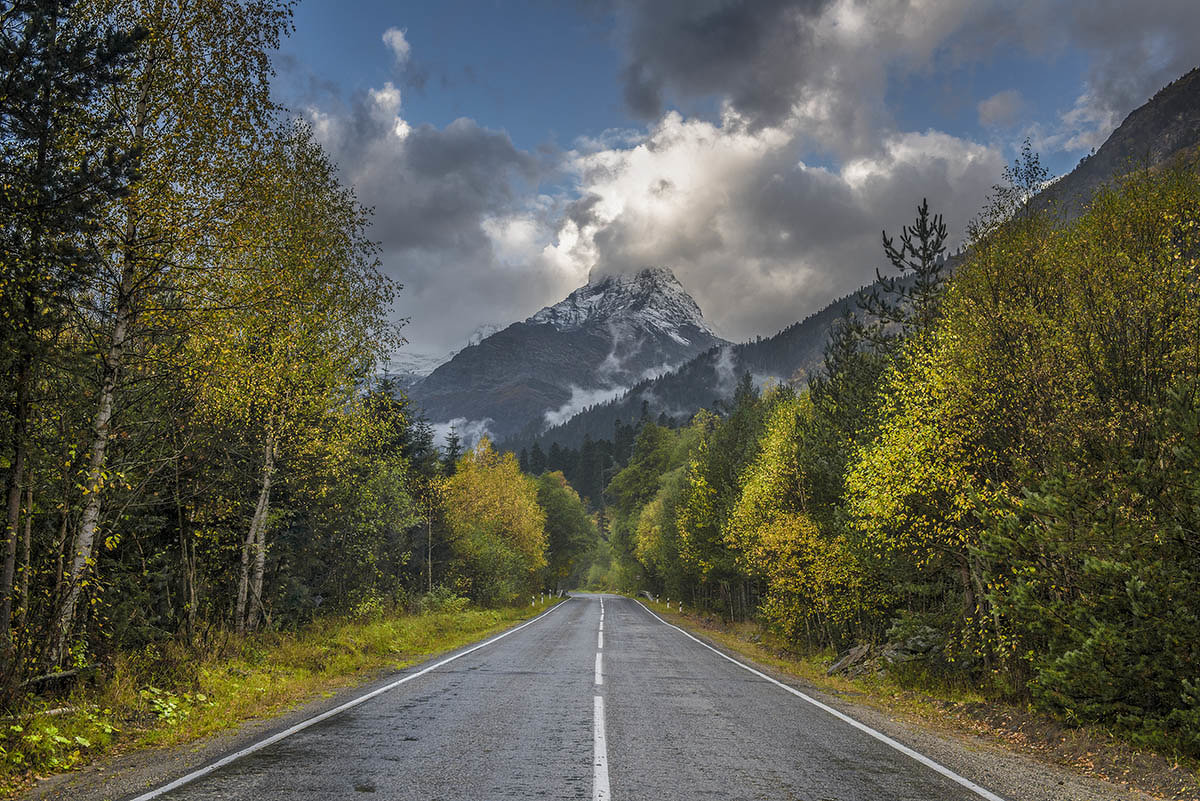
column 441, row 600
column 816, row 587
column 497, row 528
column 43, row 742
column 1100, row 584
column 714, row 473
column 997, row 475
column 570, row 532
column 171, row 707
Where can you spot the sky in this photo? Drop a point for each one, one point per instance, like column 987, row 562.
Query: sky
column 511, row 148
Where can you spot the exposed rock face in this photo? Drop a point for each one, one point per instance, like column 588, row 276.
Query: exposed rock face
column 1165, row 128
column 604, row 337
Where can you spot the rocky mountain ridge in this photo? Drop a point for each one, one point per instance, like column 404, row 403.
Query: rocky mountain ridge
column 604, row 337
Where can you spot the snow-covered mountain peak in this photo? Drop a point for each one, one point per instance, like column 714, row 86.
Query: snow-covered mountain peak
column 651, row 299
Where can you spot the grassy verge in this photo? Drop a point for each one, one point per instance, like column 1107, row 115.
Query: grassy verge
column 163, row 699
column 957, row 710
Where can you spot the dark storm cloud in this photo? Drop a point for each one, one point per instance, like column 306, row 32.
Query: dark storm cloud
column 582, row 211
column 1137, row 48
column 430, row 187
column 434, row 192
column 748, row 52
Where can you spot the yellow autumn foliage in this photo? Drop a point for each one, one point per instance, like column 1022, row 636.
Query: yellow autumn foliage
column 497, row 528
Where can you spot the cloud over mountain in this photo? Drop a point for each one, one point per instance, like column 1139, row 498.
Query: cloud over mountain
column 775, row 148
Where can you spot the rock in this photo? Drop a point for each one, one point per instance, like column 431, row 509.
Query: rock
column 920, row 644
column 850, row 659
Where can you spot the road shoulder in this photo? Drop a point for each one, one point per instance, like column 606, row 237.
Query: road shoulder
column 983, row 753
column 125, row 771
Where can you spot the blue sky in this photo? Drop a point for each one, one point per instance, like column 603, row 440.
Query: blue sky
column 541, row 71
column 756, row 148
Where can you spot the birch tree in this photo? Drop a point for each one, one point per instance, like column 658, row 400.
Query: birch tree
column 196, row 108
column 297, row 323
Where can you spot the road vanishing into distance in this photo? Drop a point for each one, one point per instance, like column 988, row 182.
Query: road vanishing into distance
column 596, row 699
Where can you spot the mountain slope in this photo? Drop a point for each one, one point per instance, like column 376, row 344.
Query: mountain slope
column 790, row 355
column 604, row 337
column 1157, row 132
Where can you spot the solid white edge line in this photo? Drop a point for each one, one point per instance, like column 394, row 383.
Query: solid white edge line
column 288, row 732
column 880, row 736
column 600, row 791
column 599, row 669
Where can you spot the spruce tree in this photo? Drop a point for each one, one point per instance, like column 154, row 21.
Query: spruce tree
column 902, row 304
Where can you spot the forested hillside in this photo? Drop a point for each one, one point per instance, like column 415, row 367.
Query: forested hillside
column 194, row 440
column 995, row 479
column 1165, row 128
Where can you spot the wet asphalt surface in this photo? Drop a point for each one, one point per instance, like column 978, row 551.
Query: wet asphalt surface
column 515, row 720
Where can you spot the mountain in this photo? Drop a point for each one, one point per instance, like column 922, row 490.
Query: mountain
column 601, row 339
column 407, row 368
column 790, row 355
column 1165, row 129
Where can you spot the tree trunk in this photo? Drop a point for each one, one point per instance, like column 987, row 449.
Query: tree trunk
column 187, row 554
column 13, row 498
column 256, row 577
column 254, row 550
column 82, row 548
column 125, row 311
column 26, row 555
column 429, row 538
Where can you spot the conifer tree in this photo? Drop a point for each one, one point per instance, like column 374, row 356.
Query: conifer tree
column 54, row 66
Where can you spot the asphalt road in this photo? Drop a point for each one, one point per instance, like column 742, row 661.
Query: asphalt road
column 597, row 699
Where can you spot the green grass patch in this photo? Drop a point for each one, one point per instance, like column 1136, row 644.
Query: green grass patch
column 172, row 695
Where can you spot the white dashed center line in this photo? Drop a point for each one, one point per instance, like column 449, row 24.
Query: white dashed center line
column 600, row 790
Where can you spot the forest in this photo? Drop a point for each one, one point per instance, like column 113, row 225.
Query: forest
column 994, row 480
column 196, row 442
column 996, row 467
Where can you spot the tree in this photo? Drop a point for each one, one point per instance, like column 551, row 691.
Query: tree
column 713, row 483
column 55, row 66
column 284, row 367
column 900, row 305
column 570, row 531
column 497, row 528
column 453, row 451
column 196, row 107
column 537, row 460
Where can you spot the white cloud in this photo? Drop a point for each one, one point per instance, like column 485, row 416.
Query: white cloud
column 1082, row 127
column 581, row 399
column 759, row 237
column 1001, row 109
column 397, row 42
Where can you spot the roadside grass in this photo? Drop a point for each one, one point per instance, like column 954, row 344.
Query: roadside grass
column 956, row 709
column 173, row 696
